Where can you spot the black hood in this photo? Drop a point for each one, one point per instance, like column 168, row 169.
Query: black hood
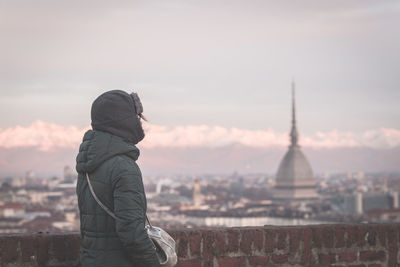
column 114, row 112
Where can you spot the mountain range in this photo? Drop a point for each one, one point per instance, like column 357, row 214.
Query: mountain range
column 207, row 160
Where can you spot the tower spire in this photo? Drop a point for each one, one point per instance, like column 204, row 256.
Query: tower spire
column 293, row 133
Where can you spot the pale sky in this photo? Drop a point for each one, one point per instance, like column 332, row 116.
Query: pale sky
column 218, row 63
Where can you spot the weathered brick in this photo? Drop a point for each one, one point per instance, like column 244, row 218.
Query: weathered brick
column 280, row 258
column 252, row 249
column 372, row 236
column 182, row 244
column 282, row 237
column 269, row 240
column 357, row 265
column 232, row 262
column 246, row 241
column 209, row 262
column 362, row 233
column 317, row 237
column 221, row 245
column 73, row 244
column 28, row 247
column 258, row 261
column 351, row 236
column 10, row 249
column 398, row 231
column 233, row 240
column 327, row 235
column 339, row 237
column 195, row 244
column 393, row 247
column 347, row 256
column 258, row 239
column 294, row 239
column 372, row 255
column 208, row 244
column 382, row 235
column 57, row 249
column 189, row 263
column 326, row 259
column 42, row 252
column 306, row 257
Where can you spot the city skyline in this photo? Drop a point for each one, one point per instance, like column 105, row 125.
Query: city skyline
column 272, row 131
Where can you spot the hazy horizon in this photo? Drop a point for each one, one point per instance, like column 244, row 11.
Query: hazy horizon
column 47, row 147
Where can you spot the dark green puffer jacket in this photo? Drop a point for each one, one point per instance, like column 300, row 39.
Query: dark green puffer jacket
column 117, row 182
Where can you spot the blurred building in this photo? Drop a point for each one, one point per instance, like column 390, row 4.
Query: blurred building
column 69, row 175
column 11, row 209
column 378, row 200
column 360, row 203
column 353, row 204
column 295, row 179
column 197, row 198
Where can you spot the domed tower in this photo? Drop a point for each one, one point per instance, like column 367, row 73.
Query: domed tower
column 295, row 179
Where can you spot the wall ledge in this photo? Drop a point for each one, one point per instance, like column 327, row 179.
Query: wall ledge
column 369, row 245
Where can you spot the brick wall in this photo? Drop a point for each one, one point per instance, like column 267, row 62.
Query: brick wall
column 367, row 245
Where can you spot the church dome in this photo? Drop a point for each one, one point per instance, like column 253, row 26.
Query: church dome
column 294, row 169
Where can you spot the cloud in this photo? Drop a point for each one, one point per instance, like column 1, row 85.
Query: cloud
column 49, row 136
column 332, row 139
column 45, row 136
column 382, row 138
column 210, row 136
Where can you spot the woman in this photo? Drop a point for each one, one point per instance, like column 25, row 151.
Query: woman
column 108, row 154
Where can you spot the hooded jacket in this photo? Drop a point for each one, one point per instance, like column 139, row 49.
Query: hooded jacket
column 110, row 161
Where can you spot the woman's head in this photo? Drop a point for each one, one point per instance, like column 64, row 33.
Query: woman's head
column 118, row 113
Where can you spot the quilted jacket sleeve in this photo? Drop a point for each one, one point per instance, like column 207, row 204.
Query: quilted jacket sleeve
column 129, row 208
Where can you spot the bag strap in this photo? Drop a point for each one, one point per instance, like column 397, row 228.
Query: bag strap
column 104, row 206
